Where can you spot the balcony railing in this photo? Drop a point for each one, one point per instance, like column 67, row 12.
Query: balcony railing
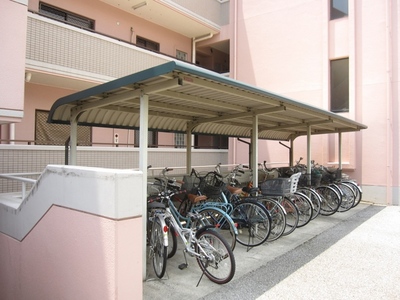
column 54, row 45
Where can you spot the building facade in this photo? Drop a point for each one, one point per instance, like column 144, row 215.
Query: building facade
column 340, row 56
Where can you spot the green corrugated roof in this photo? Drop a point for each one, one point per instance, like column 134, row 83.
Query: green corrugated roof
column 182, row 95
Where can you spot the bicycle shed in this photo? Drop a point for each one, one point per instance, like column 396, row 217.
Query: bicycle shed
column 182, row 98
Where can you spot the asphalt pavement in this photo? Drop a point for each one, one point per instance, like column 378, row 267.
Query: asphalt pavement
column 349, row 255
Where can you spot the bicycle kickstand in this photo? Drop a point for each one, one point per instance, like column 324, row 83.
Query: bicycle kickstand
column 185, row 264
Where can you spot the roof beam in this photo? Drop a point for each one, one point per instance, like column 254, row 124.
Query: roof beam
column 235, row 91
column 202, row 100
column 294, row 125
column 151, row 113
column 240, row 115
column 113, row 99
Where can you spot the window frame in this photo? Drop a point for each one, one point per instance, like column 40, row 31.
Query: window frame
column 146, row 44
column 63, row 15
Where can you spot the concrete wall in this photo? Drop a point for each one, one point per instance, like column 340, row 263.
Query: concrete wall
column 77, row 235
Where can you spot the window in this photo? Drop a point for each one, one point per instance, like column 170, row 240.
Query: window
column 147, row 44
column 340, row 85
column 339, row 9
column 62, row 15
column 179, row 140
column 211, row 142
column 58, row 134
column 152, row 139
column 181, row 55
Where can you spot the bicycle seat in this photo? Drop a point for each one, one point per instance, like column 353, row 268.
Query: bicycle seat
column 250, row 190
column 155, row 204
column 234, row 190
column 196, row 198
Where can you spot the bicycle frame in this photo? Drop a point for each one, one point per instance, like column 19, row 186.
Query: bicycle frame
column 191, row 232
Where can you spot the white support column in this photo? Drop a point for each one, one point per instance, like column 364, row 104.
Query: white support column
column 73, row 139
column 189, row 148
column 254, row 150
column 291, row 153
column 340, row 150
column 309, row 155
column 143, row 163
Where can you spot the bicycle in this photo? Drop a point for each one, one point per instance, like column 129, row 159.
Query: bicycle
column 275, row 209
column 331, row 197
column 213, row 254
column 252, row 219
column 191, row 202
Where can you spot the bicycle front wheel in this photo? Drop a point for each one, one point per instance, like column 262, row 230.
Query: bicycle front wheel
column 348, row 198
column 292, row 215
column 331, row 200
column 253, row 223
column 158, row 251
column 305, row 207
column 278, row 218
column 315, row 199
column 215, row 256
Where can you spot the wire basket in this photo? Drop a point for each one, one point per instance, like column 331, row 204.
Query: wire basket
column 191, row 184
column 275, row 187
column 280, row 186
column 154, row 188
column 212, row 187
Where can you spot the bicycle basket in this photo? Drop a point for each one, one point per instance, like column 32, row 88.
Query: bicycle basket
column 275, row 187
column 294, row 180
column 154, row 188
column 191, row 184
column 212, row 192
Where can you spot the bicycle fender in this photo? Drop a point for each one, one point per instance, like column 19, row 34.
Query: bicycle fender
column 202, row 229
column 165, row 233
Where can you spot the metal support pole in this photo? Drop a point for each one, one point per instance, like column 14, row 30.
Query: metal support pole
column 340, row 150
column 74, row 139
column 189, row 148
column 143, row 163
column 291, row 152
column 309, row 155
column 254, row 150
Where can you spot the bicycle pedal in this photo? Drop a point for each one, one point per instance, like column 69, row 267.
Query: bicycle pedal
column 182, row 266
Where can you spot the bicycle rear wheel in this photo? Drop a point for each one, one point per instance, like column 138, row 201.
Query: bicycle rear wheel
column 215, row 256
column 172, row 238
column 278, row 217
column 222, row 222
column 253, row 223
column 158, row 251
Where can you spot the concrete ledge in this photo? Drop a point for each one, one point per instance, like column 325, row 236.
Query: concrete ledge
column 111, row 193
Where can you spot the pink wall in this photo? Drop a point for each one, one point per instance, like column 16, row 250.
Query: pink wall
column 73, row 255
column 285, row 47
column 117, row 23
column 37, row 97
column 12, row 57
